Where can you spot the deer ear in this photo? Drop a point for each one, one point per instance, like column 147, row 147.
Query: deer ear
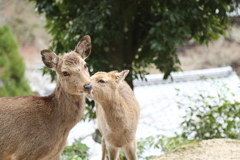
column 119, row 77
column 112, row 72
column 49, row 58
column 84, row 47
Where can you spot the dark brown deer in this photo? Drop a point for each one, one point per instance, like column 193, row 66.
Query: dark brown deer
column 117, row 113
column 36, row 128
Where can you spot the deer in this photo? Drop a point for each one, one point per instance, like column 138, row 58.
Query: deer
column 37, row 127
column 117, row 111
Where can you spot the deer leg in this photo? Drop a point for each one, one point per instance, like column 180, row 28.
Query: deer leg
column 130, row 150
column 103, row 149
column 112, row 152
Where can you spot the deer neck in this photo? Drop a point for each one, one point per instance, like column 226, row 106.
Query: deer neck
column 112, row 100
column 69, row 108
column 114, row 109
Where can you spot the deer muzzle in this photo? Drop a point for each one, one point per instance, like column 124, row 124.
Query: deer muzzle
column 87, row 87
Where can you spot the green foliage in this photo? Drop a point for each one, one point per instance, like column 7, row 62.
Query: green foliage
column 90, row 111
column 161, row 143
column 134, row 34
column 12, row 68
column 211, row 115
column 76, row 151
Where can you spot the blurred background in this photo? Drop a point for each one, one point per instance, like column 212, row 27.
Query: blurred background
column 183, row 56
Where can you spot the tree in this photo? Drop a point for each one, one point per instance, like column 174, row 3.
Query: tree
column 134, row 34
column 12, row 68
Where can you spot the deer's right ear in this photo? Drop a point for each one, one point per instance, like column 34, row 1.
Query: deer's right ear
column 112, row 72
column 119, row 77
column 49, row 58
column 84, row 47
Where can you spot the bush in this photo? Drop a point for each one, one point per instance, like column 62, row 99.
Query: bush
column 211, row 115
column 12, row 68
column 76, row 151
column 208, row 115
column 160, row 143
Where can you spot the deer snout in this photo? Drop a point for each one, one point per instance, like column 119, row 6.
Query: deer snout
column 88, row 87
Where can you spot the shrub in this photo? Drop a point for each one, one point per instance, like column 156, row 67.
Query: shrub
column 76, row 151
column 12, row 68
column 159, row 143
column 208, row 115
column 211, row 115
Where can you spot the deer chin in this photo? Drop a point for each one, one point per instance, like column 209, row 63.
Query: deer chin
column 90, row 95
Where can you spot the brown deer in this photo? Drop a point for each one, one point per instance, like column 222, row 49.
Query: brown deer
column 36, row 128
column 117, row 113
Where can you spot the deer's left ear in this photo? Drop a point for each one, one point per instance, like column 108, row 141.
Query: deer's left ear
column 84, row 47
column 119, row 77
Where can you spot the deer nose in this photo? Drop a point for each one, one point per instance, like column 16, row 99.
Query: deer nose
column 87, row 87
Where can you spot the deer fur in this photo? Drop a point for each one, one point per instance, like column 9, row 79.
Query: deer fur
column 117, row 113
column 36, row 128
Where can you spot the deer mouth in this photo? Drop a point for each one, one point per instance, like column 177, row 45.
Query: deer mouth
column 90, row 95
column 88, row 92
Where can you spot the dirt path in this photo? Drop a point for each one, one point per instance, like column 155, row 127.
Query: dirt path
column 216, row 149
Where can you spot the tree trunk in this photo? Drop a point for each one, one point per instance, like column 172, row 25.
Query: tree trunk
column 122, row 48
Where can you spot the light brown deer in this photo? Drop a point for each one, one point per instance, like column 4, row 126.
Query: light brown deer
column 117, row 113
column 36, row 128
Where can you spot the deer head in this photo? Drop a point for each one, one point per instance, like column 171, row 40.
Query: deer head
column 71, row 69
column 106, row 84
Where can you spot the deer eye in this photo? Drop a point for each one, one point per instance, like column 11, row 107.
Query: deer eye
column 65, row 73
column 85, row 66
column 101, row 81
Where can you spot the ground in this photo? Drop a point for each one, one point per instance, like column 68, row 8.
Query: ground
column 215, row 149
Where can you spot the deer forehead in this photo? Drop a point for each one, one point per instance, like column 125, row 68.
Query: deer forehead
column 100, row 75
column 107, row 77
column 71, row 61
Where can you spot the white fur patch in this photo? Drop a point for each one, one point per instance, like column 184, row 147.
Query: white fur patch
column 54, row 60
